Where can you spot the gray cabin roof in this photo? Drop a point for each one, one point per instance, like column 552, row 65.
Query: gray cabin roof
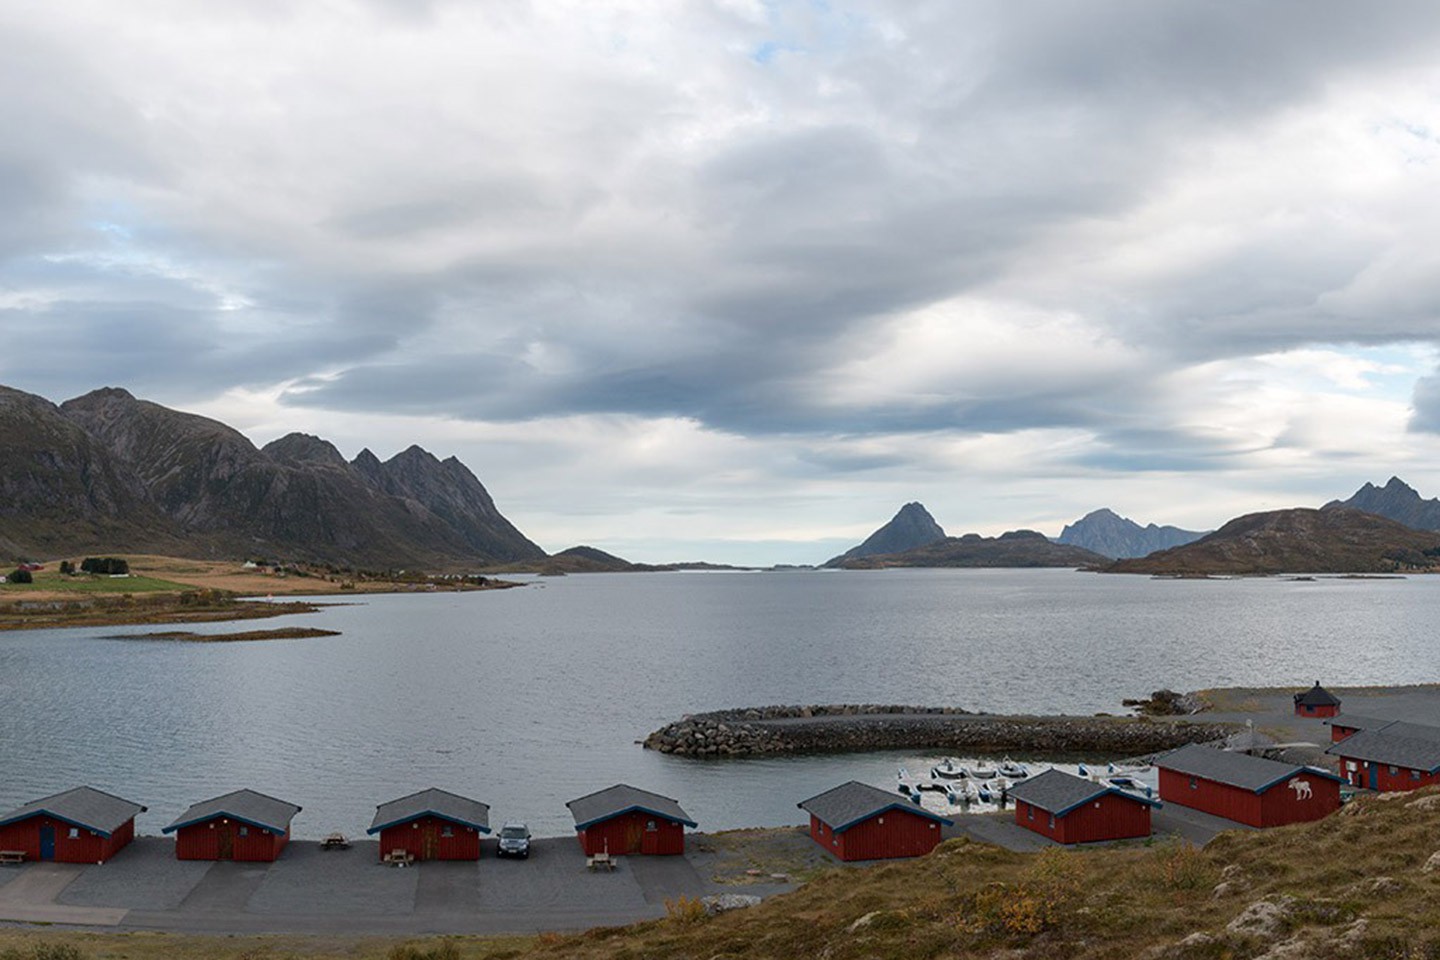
column 622, row 798
column 433, row 802
column 1355, row 721
column 842, row 807
column 1317, row 696
column 247, row 806
column 1236, row 769
column 1058, row 792
column 1414, row 746
column 82, row 807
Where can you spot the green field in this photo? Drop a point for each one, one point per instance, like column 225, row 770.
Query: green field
column 48, row 582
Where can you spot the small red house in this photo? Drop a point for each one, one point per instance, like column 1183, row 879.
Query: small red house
column 82, row 825
column 1071, row 809
column 624, row 819
column 432, row 825
column 243, row 825
column 856, row 821
column 1316, row 702
column 1246, row 789
column 1392, row 756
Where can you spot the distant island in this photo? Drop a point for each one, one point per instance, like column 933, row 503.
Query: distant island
column 1109, row 534
column 1300, row 540
column 1018, row 548
column 586, row 559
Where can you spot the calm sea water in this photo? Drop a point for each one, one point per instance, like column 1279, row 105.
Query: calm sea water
column 530, row 697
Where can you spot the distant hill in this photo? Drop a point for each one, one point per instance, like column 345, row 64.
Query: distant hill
column 1108, row 533
column 910, row 528
column 108, row 471
column 1018, row 548
column 1301, row 540
column 1398, row 501
column 585, row 559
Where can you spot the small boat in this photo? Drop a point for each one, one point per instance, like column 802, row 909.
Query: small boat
column 982, row 771
column 984, row 794
column 1124, row 782
column 1013, row 770
column 949, row 770
column 931, row 785
column 1083, row 770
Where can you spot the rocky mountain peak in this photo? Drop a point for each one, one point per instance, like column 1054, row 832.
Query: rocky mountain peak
column 1397, row 501
column 297, row 448
column 911, row 527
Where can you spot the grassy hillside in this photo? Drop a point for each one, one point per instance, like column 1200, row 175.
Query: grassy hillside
column 1353, row 886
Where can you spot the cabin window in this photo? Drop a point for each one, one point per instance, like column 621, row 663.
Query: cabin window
column 1414, row 774
column 447, row 831
column 1394, row 770
column 650, row 826
column 1193, row 784
column 1030, row 812
column 1052, row 821
column 244, row 831
column 74, row 834
column 1350, row 765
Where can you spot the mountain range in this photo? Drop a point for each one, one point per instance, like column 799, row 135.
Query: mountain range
column 1018, row 548
column 108, row 471
column 1106, row 532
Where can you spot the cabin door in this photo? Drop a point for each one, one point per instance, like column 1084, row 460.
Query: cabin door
column 47, row 843
column 429, row 841
column 224, row 841
column 650, row 843
column 1374, row 775
column 634, row 834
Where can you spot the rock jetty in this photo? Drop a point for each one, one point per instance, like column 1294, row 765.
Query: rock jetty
column 842, row 728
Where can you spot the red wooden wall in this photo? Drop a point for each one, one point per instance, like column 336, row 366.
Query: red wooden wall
column 1385, row 781
column 1302, row 710
column 1232, row 803
column 1339, row 732
column 209, row 840
column 632, row 833
column 1110, row 817
column 424, row 838
column 1281, row 804
column 894, row 833
column 87, row 847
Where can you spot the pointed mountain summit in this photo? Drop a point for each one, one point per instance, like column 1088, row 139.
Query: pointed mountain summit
column 1106, row 532
column 910, row 528
column 1397, row 501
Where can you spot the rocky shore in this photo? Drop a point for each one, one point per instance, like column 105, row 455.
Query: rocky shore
column 842, row 728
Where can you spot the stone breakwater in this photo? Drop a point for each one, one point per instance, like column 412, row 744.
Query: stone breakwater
column 857, row 728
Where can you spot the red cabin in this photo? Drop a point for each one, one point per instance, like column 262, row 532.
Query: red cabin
column 1071, row 809
column 1344, row 725
column 1389, row 757
column 856, row 821
column 624, row 819
column 1316, row 702
column 432, row 825
column 243, row 825
column 1246, row 789
column 82, row 825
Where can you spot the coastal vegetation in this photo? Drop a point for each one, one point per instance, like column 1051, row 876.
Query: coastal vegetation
column 1362, row 883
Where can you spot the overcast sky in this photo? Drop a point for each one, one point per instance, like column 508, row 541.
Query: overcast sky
column 734, row 280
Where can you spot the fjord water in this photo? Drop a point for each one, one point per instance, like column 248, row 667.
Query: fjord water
column 529, row 697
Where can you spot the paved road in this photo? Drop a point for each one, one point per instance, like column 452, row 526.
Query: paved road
column 343, row 892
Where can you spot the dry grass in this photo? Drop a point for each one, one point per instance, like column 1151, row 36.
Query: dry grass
column 970, row 900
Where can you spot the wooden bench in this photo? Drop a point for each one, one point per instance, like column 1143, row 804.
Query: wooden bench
column 399, row 858
column 12, row 856
column 600, row 861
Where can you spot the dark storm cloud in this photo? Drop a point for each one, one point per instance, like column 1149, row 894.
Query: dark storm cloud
column 703, row 236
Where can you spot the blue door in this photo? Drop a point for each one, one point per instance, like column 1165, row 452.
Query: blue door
column 1374, row 776
column 47, row 843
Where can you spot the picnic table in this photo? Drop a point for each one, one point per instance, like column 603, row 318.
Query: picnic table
column 600, row 861
column 335, row 841
column 399, row 858
column 12, row 856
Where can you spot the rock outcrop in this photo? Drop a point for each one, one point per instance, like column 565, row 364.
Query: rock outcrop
column 910, row 528
column 840, row 728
